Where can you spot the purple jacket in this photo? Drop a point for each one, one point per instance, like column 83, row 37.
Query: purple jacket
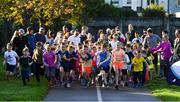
column 48, row 59
column 165, row 49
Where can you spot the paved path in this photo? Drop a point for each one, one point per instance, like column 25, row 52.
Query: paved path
column 97, row 94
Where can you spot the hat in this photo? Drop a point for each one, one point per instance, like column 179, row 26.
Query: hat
column 21, row 31
column 41, row 29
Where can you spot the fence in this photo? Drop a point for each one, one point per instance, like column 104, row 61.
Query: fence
column 157, row 24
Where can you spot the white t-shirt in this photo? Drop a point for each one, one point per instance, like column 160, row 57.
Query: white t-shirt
column 126, row 60
column 135, row 39
column 75, row 39
column 49, row 40
column 10, row 57
column 113, row 44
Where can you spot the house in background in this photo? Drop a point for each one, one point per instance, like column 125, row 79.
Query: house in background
column 170, row 6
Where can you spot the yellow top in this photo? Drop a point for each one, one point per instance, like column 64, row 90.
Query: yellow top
column 138, row 64
column 150, row 65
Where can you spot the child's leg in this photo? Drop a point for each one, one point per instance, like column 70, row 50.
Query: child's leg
column 117, row 76
column 139, row 78
column 23, row 76
column 37, row 71
column 104, row 79
column 143, row 78
column 135, row 75
column 62, row 73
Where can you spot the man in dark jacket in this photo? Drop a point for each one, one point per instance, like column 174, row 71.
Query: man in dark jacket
column 20, row 42
column 40, row 36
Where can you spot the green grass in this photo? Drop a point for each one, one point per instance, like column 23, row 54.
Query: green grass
column 15, row 91
column 163, row 91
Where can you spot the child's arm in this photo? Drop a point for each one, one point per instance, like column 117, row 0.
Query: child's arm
column 56, row 59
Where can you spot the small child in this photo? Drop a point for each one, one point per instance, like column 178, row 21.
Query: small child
column 10, row 59
column 86, row 66
column 129, row 65
column 103, row 63
column 38, row 61
column 125, row 71
column 137, row 62
column 94, row 64
column 50, row 65
column 63, row 58
column 25, row 63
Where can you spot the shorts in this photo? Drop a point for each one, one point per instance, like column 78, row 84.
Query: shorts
column 65, row 67
column 25, row 73
column 88, row 70
column 118, row 65
column 124, row 71
column 10, row 68
column 129, row 67
column 106, row 69
column 50, row 72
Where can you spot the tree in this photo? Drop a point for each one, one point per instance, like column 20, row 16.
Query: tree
column 44, row 11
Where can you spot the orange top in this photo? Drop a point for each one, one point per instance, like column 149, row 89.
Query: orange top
column 118, row 58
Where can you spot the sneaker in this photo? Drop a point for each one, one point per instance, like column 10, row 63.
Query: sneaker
column 65, row 85
column 116, row 87
column 103, row 85
column 68, row 85
column 134, row 86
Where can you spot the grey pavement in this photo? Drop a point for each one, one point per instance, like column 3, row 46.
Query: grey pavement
column 97, row 94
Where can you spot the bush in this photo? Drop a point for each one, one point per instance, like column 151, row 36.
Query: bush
column 128, row 13
column 154, row 11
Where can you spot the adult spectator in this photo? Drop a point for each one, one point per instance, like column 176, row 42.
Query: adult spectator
column 65, row 31
column 75, row 39
column 83, row 35
column 50, row 37
column 58, row 38
column 31, row 40
column 40, row 36
column 152, row 41
column 177, row 44
column 166, row 52
column 137, row 38
column 19, row 42
column 114, row 41
column 130, row 34
column 121, row 36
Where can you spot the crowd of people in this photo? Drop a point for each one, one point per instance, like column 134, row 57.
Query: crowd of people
column 113, row 58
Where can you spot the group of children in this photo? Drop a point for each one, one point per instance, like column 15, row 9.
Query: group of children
column 90, row 63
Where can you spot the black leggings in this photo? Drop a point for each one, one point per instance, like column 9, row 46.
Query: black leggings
column 136, row 77
column 38, row 71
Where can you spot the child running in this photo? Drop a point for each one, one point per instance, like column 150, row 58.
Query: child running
column 50, row 65
column 63, row 56
column 86, row 66
column 25, row 62
column 38, row 61
column 10, row 59
column 118, row 56
column 103, row 63
column 137, row 62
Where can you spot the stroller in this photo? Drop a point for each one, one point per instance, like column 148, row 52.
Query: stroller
column 174, row 74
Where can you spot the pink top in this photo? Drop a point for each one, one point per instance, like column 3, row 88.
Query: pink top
column 118, row 56
column 49, row 58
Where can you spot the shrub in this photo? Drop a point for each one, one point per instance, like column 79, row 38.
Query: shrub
column 154, row 11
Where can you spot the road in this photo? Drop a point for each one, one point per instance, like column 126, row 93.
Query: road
column 98, row 94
